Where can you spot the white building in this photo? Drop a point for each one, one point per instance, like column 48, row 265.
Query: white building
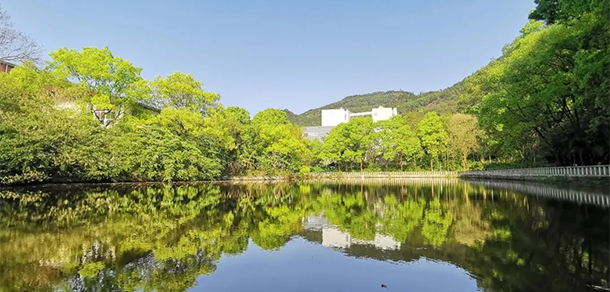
column 334, row 117
column 383, row 113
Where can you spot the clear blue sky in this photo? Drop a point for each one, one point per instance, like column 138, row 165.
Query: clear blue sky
column 286, row 53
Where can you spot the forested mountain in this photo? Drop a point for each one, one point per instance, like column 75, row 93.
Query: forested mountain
column 442, row 101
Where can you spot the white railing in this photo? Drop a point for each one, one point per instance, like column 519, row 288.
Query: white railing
column 576, row 171
column 587, row 197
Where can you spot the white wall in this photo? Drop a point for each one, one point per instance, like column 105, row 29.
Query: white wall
column 334, row 117
column 383, row 113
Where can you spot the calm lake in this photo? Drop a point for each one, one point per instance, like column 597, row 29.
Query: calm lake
column 416, row 235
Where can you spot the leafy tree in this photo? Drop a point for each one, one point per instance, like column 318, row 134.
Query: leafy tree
column 236, row 120
column 111, row 79
column 553, row 11
column 398, row 141
column 40, row 140
column 432, row 135
column 181, row 91
column 47, row 136
column 175, row 145
column 564, row 113
column 239, row 114
column 350, row 142
column 316, row 147
column 272, row 143
column 464, row 135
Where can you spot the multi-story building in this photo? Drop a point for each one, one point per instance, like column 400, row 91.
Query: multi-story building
column 334, row 117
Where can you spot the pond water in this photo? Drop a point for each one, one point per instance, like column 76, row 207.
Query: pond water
column 415, row 235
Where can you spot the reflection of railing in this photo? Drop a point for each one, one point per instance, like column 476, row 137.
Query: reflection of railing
column 415, row 181
column 592, row 198
column 383, row 174
column 578, row 171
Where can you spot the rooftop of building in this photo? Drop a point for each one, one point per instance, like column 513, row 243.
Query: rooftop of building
column 7, row 63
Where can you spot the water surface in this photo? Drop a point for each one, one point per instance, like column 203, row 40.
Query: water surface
column 416, row 235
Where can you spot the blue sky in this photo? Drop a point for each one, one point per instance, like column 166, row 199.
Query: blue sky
column 286, row 53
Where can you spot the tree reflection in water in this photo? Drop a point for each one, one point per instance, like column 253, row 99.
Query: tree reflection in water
column 161, row 238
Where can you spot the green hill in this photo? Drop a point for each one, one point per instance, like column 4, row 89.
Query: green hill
column 442, row 101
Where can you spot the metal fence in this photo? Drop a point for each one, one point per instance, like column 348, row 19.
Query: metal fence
column 576, row 171
column 570, row 171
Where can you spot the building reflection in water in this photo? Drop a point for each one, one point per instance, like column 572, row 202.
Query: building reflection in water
column 334, row 237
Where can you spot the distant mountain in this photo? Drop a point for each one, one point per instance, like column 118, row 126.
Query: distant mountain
column 442, row 101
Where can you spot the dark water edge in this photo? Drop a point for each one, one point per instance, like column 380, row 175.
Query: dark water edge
column 429, row 234
column 596, row 183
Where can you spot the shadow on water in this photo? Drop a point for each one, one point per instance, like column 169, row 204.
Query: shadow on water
column 164, row 238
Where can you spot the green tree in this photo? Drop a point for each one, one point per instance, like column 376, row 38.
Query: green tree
column 39, row 139
column 553, row 11
column 272, row 143
column 432, row 135
column 178, row 144
column 111, row 79
column 464, row 134
column 549, row 87
column 238, row 114
column 236, row 120
column 398, row 141
column 316, row 147
column 181, row 91
column 350, row 142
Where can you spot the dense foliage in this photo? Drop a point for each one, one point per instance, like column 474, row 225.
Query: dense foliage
column 547, row 96
column 87, row 116
column 445, row 141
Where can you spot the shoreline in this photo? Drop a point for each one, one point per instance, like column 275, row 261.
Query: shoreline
column 342, row 177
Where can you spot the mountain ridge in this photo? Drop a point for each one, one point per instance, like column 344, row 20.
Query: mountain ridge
column 442, row 101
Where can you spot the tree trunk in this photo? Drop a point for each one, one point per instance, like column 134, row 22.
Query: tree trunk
column 361, row 164
column 431, row 164
column 447, row 160
column 401, row 163
column 464, row 160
